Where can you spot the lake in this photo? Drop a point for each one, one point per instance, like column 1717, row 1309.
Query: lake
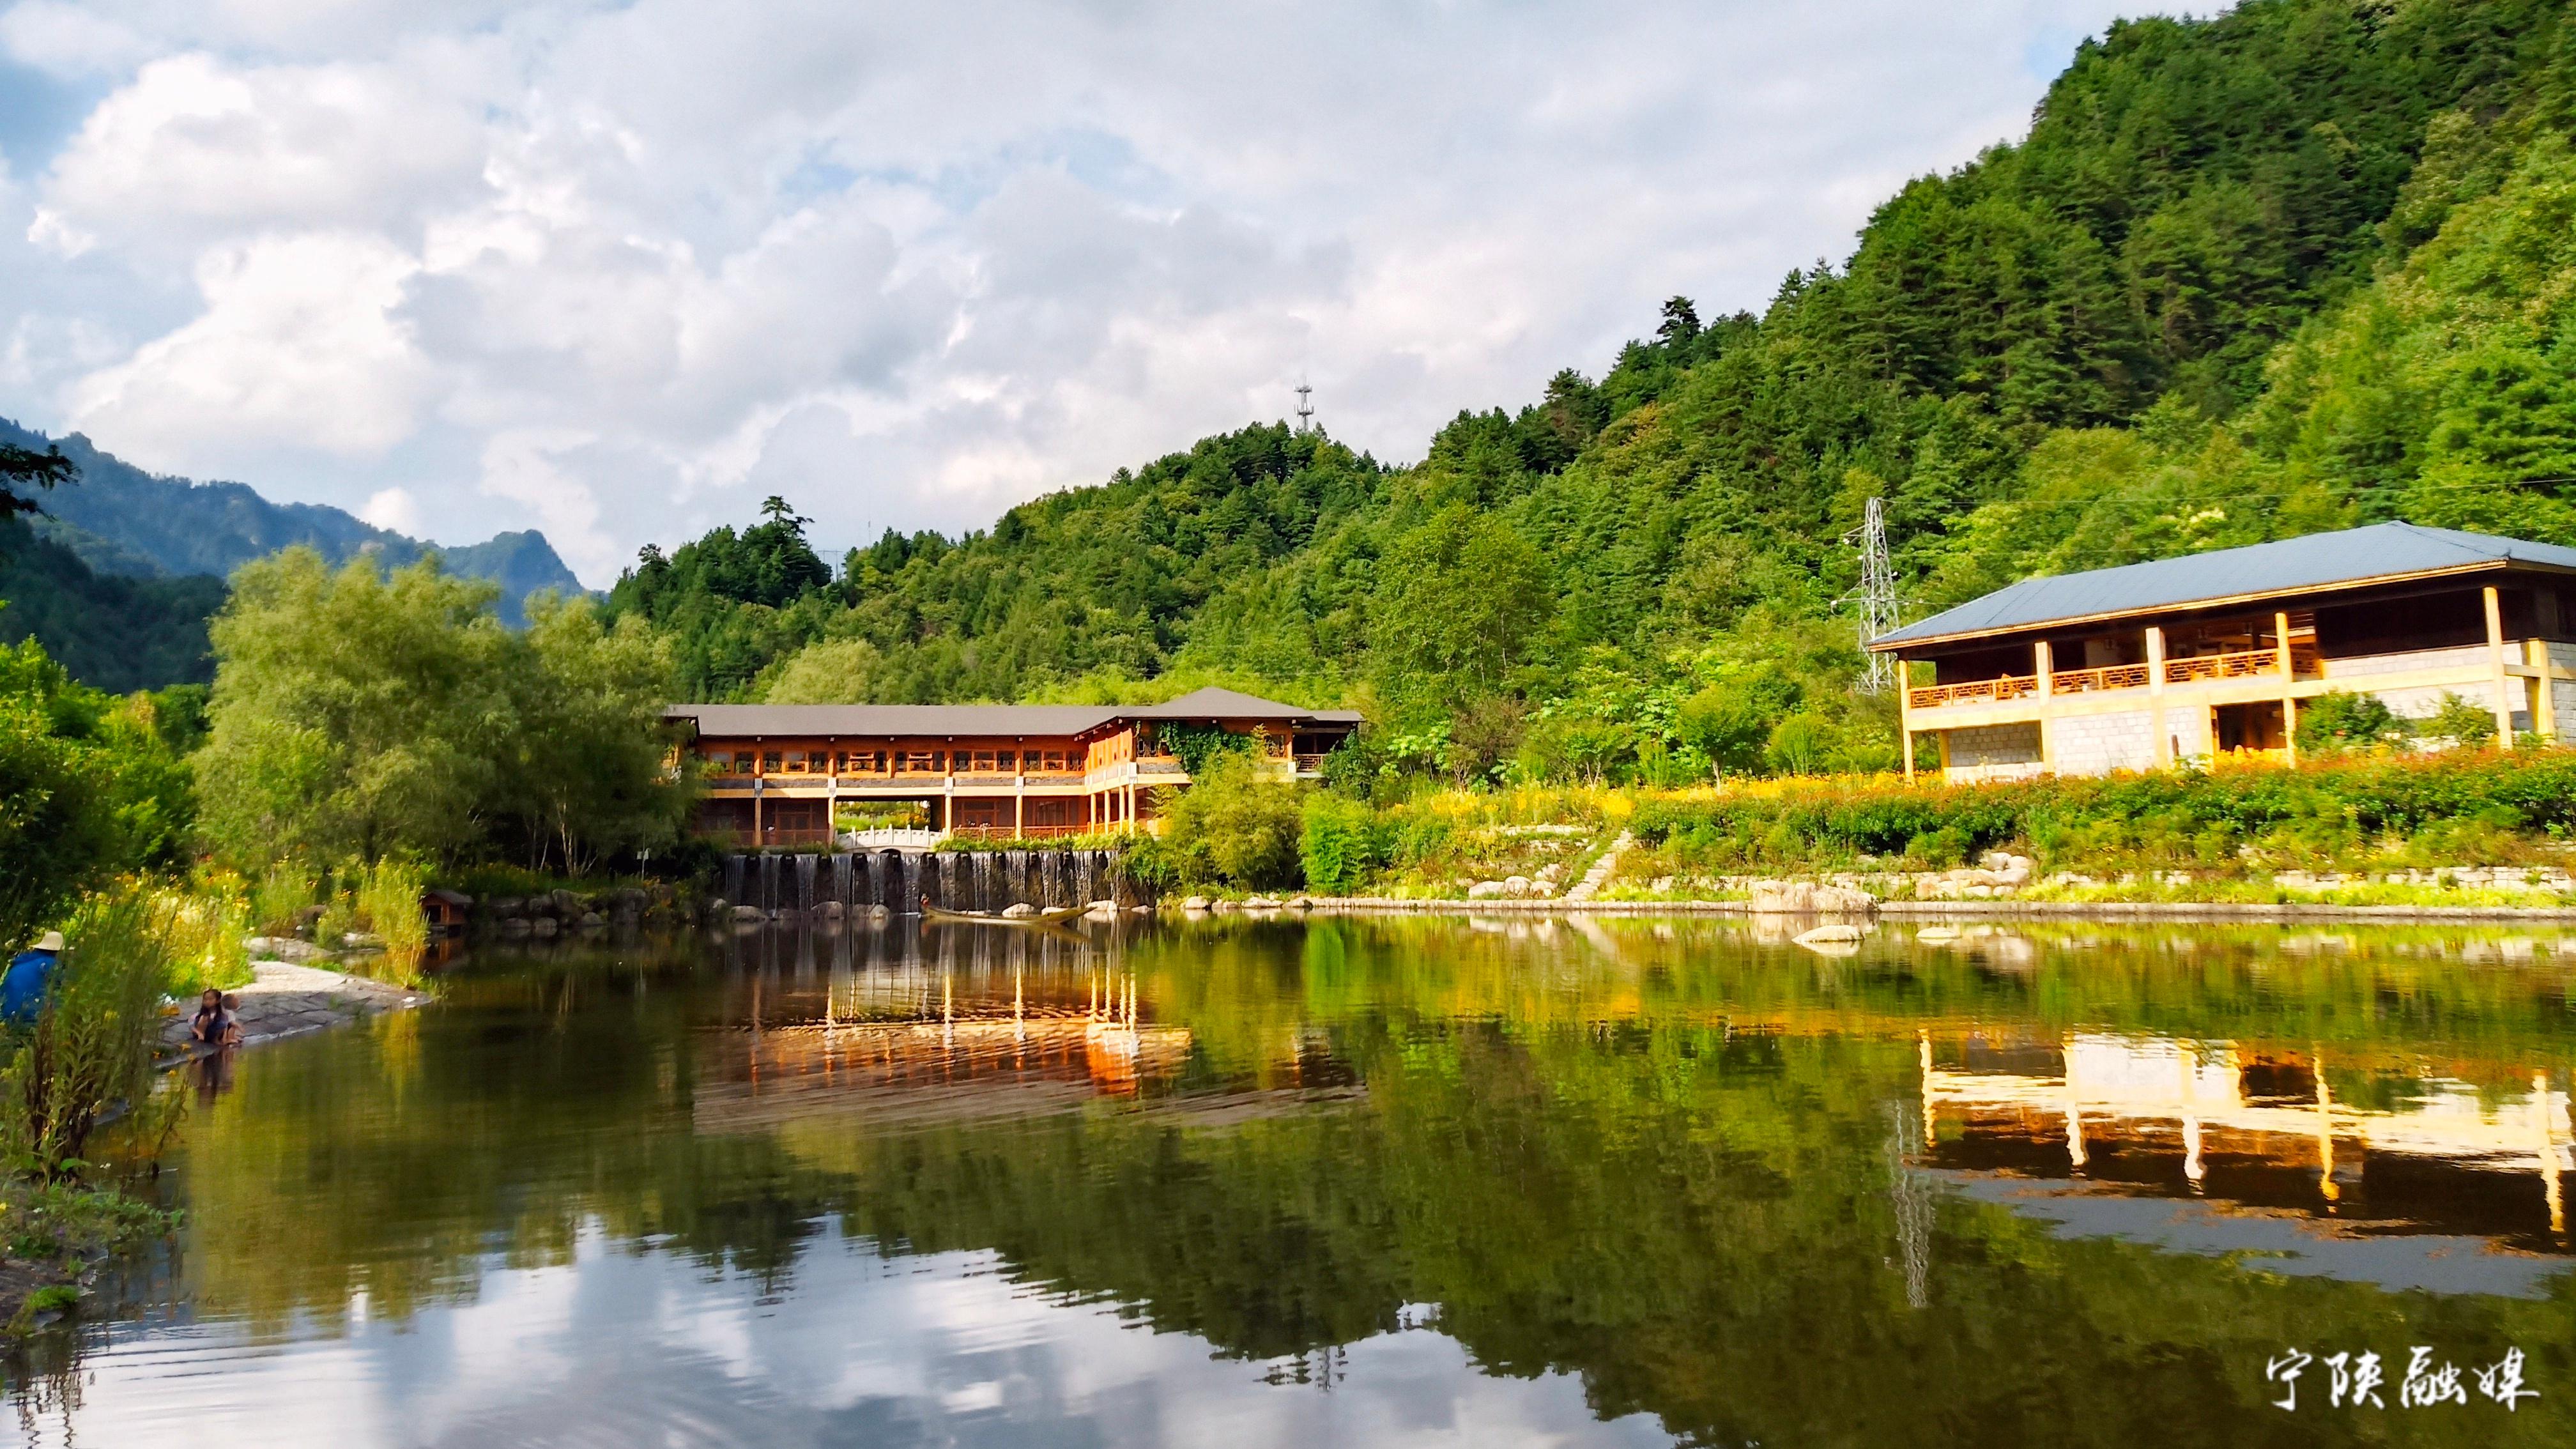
column 1354, row 1182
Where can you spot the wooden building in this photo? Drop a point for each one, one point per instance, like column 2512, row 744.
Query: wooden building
column 776, row 773
column 2212, row 654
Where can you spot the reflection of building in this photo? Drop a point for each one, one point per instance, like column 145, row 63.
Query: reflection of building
column 776, row 772
column 2263, row 1129
column 902, row 1047
column 2209, row 654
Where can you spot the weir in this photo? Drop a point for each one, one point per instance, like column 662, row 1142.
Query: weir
column 963, row 880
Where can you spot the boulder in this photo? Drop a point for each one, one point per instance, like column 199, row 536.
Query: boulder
column 1193, row 903
column 593, row 921
column 1485, row 890
column 1301, row 903
column 749, row 913
column 567, row 904
column 1936, row 935
column 879, row 912
column 1799, row 898
column 362, row 940
column 1261, row 903
column 515, row 926
column 543, row 925
column 1516, row 886
column 1019, row 911
column 831, row 910
column 505, row 906
column 288, row 949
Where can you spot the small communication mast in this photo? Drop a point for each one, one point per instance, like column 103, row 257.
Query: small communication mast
column 1305, row 408
column 1877, row 593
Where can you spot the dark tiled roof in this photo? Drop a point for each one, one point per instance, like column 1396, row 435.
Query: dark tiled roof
column 984, row 719
column 2343, row 558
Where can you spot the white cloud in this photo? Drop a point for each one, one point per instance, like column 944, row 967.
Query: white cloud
column 297, row 346
column 396, row 509
column 619, row 270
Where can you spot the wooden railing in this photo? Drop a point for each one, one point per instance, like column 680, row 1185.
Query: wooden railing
column 2011, row 686
column 1023, row 832
column 2109, row 676
column 2244, row 664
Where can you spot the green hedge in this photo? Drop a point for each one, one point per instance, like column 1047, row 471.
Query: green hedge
column 2327, row 806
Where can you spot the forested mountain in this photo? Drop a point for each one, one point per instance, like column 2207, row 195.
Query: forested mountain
column 2295, row 266
column 119, row 572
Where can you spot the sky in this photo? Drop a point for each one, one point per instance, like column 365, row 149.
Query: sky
column 620, row 271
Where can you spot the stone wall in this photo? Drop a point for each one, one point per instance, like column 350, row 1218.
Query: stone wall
column 2562, row 695
column 1993, row 752
column 2097, row 744
column 2354, row 675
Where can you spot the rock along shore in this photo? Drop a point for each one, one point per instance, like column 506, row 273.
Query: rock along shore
column 2004, row 907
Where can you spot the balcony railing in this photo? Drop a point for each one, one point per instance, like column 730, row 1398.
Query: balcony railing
column 2011, row 686
column 1023, row 832
column 2204, row 668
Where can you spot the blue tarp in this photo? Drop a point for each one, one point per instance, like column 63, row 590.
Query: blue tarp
column 22, row 991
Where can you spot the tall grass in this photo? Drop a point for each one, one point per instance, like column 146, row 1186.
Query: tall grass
column 278, row 900
column 91, row 1046
column 388, row 900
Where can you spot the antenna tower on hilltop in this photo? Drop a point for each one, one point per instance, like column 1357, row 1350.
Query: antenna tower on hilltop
column 1877, row 592
column 1305, row 408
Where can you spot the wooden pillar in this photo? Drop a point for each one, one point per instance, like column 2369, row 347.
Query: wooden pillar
column 1905, row 716
column 2289, row 676
column 2495, row 669
column 2163, row 750
column 2044, row 665
column 2544, row 708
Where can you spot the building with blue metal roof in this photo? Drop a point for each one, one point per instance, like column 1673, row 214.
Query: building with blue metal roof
column 2210, row 654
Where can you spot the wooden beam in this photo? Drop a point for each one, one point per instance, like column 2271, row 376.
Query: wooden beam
column 2289, row 704
column 2162, row 750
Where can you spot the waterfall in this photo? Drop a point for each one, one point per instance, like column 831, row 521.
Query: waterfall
column 841, row 880
column 805, row 882
column 1016, row 867
column 911, row 876
column 733, row 879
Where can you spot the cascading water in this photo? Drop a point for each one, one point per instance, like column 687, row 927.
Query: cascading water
column 911, row 877
column 805, row 882
column 733, row 879
column 841, row 881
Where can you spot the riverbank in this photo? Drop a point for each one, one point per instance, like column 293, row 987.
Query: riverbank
column 287, row 999
column 2004, row 908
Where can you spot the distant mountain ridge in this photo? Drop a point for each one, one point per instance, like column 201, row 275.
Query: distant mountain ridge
column 121, row 520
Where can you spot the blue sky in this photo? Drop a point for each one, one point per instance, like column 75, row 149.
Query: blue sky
column 618, row 271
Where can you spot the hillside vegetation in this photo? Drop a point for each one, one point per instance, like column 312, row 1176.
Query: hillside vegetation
column 2298, row 266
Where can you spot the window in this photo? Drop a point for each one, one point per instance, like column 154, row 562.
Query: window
column 1054, row 762
column 982, row 762
column 923, row 762
column 1008, row 761
column 798, row 762
column 719, row 762
column 769, row 762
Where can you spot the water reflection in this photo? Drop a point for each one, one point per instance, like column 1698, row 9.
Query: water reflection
column 1369, row 1182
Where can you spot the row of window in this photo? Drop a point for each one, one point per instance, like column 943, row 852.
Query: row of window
column 879, row 762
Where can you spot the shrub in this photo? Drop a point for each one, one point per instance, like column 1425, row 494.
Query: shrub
column 1339, row 847
column 2341, row 719
column 2459, row 721
column 278, row 901
column 1234, row 826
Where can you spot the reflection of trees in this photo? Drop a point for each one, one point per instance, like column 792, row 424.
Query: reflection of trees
column 1663, row 1165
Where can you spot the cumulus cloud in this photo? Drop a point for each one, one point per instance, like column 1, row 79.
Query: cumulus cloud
column 620, row 270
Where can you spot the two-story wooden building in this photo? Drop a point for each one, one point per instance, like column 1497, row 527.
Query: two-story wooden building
column 2211, row 654
column 774, row 773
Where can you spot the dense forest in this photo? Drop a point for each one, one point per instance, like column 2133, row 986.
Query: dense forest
column 2297, row 266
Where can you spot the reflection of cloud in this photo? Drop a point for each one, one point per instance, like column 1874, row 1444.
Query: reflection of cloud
column 621, row 1348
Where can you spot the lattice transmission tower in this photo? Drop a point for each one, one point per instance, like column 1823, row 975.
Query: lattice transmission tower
column 1877, row 594
column 1305, row 408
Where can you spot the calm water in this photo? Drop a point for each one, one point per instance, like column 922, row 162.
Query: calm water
column 1361, row 1183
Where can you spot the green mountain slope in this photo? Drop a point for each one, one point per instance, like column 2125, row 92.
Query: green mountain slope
column 120, row 517
column 2290, row 267
column 111, row 632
